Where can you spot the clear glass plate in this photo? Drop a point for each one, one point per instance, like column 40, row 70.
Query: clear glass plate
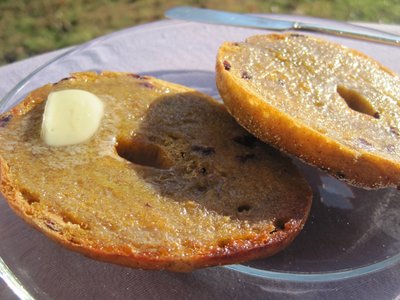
column 350, row 231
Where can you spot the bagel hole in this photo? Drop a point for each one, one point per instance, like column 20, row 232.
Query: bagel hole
column 356, row 101
column 29, row 197
column 51, row 225
column 75, row 241
column 243, row 208
column 223, row 243
column 279, row 225
column 142, row 152
column 67, row 218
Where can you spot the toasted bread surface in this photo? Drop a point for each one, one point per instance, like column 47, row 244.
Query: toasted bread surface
column 331, row 106
column 169, row 181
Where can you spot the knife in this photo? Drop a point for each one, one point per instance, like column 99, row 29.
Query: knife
column 203, row 15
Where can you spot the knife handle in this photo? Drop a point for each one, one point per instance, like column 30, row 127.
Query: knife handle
column 372, row 37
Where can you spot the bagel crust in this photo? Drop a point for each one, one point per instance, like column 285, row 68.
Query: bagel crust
column 169, row 180
column 331, row 106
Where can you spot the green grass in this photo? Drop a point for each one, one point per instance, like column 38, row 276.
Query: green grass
column 30, row 27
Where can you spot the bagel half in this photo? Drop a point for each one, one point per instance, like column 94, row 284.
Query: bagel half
column 329, row 105
column 169, row 180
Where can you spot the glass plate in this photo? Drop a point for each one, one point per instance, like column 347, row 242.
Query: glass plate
column 350, row 231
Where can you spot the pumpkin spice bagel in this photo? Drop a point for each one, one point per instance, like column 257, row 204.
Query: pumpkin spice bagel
column 168, row 181
column 329, row 105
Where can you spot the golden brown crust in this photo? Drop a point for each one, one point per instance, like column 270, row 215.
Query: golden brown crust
column 190, row 206
column 292, row 134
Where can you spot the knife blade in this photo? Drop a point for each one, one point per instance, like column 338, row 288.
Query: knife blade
column 211, row 16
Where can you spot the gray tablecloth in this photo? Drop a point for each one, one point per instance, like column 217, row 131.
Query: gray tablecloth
column 207, row 283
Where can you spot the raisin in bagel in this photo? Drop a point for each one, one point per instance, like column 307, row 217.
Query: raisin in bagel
column 331, row 106
column 169, row 180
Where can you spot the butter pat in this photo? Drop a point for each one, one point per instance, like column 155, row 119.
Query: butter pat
column 71, row 117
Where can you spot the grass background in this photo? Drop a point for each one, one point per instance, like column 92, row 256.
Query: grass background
column 30, row 27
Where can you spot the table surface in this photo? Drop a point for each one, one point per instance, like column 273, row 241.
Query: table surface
column 381, row 285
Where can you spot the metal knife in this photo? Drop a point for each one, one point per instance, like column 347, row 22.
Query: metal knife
column 226, row 18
